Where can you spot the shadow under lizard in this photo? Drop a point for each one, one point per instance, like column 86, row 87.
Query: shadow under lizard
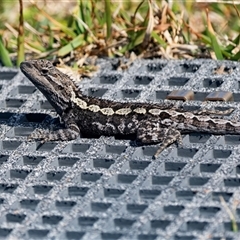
column 149, row 123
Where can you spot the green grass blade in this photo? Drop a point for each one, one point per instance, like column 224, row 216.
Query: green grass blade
column 159, row 39
column 236, row 57
column 4, row 55
column 76, row 42
column 108, row 18
column 215, row 46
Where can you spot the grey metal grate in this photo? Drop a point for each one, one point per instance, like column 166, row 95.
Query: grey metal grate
column 104, row 188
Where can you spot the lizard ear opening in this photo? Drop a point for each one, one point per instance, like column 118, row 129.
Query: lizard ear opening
column 44, row 71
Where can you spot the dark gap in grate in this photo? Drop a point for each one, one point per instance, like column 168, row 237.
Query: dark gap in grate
column 185, row 195
column 238, row 169
column 232, row 139
column 161, row 94
column 198, row 137
column 102, row 163
column 87, row 221
column 19, row 173
column 186, row 152
column 76, row 191
column 37, row 233
column 45, row 105
column 208, row 212
column 76, row 147
column 155, row 67
column 197, row 181
column 53, row 219
column 238, row 212
column 172, row 209
column 42, row 189
column 149, row 193
column 161, row 180
column 231, row 182
column 209, row 167
column 223, row 69
column 138, row 165
column 10, row 145
column 29, row 203
column 3, row 158
column 20, row 131
column 195, row 226
column 90, row 176
column 24, row 89
column 147, row 236
column 45, row 147
column 187, row 68
column 221, row 153
column 215, row 196
column 65, row 205
column 200, row 96
column 149, row 150
column 123, row 222
column 55, row 175
column 143, row 80
column 67, row 161
column 8, row 188
column 14, row 103
column 129, row 93
column 236, row 97
column 32, row 160
column 136, row 208
column 111, row 236
column 228, row 226
column 96, row 92
column 160, row 224
column 212, row 83
column 173, row 166
column 5, row 116
column 74, row 235
column 15, row 218
column 115, row 149
column 113, row 193
column 100, row 206
column 7, row 75
column 188, row 237
column 34, row 117
column 126, row 178
column 110, row 79
column 4, row 232
column 177, row 81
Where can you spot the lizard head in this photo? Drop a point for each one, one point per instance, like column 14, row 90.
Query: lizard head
column 56, row 86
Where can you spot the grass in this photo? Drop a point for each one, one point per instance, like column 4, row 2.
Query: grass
column 147, row 29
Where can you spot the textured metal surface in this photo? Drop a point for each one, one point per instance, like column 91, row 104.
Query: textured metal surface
column 107, row 189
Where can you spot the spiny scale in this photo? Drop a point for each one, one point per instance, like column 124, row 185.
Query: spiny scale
column 150, row 123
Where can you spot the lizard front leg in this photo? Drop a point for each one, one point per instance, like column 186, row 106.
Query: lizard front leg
column 153, row 132
column 71, row 132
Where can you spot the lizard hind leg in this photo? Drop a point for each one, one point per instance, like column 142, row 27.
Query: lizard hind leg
column 172, row 135
column 152, row 132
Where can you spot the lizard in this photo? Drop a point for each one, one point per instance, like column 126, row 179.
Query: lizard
column 149, row 123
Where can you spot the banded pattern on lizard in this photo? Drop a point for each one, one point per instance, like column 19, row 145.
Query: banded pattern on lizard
column 149, row 123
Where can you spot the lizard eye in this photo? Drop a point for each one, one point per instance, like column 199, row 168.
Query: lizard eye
column 44, row 71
